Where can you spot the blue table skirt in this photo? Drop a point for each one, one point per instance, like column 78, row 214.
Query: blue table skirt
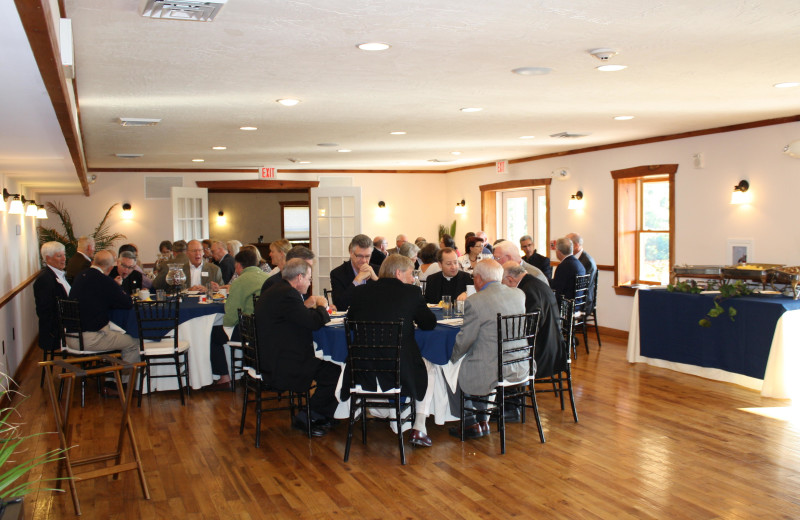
column 435, row 345
column 669, row 330
column 190, row 309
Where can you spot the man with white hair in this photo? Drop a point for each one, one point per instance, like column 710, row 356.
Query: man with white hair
column 563, row 282
column 487, row 246
column 588, row 264
column 477, row 342
column 379, row 251
column 226, row 263
column 506, row 251
column 399, row 241
column 82, row 259
column 50, row 285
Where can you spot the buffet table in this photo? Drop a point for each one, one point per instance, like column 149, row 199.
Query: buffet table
column 758, row 350
column 196, row 321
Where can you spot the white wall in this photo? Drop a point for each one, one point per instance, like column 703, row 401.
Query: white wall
column 418, row 203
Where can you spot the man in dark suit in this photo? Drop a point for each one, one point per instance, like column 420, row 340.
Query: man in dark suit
column 449, row 281
column 97, row 293
column 563, row 282
column 284, row 324
column 198, row 273
column 399, row 241
column 391, row 298
column 82, row 259
column 125, row 273
column 379, row 252
column 535, row 259
column 354, row 272
column 588, row 264
column 50, row 285
column 226, row 263
column 550, row 351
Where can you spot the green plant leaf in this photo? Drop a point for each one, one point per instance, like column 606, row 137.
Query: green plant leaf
column 704, row 322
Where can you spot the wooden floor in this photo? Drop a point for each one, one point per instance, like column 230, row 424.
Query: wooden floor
column 651, row 443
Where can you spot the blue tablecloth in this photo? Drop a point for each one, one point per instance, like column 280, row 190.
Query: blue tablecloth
column 669, row 330
column 190, row 309
column 435, row 345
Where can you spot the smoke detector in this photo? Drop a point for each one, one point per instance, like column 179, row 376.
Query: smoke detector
column 196, row 11
column 561, row 174
column 603, row 54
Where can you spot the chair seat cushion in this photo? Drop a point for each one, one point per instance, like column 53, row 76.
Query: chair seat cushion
column 252, row 373
column 78, row 352
column 515, row 383
column 163, row 348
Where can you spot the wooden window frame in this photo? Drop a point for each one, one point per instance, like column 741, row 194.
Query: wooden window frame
column 295, row 204
column 639, row 175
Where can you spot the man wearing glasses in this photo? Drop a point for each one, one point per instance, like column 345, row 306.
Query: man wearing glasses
column 354, row 272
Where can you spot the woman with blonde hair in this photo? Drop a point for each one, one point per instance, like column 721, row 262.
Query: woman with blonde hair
column 277, row 253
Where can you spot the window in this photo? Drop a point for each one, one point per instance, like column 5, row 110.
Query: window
column 295, row 221
column 644, row 240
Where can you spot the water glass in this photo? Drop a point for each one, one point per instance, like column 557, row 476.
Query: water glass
column 161, row 295
column 459, row 308
column 447, row 306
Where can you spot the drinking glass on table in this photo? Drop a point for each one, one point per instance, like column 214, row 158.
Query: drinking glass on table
column 459, row 308
column 447, row 306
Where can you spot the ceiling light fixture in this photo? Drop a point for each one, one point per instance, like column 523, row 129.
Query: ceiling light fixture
column 288, row 102
column 788, row 84
column 248, row 128
column 219, row 147
column 623, row 118
column 303, row 162
column 344, row 150
column 532, row 71
column 373, row 46
column 397, row 133
column 198, row 160
column 471, row 109
column 611, row 68
column 527, row 137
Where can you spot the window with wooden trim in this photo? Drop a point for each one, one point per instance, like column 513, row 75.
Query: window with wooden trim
column 295, row 221
column 644, row 222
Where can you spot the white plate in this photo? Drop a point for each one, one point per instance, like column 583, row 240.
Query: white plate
column 709, row 292
column 768, row 293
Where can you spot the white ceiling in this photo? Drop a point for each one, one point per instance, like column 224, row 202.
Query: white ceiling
column 691, row 66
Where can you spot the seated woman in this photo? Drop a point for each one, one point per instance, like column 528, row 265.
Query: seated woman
column 472, row 255
column 277, row 253
column 448, row 241
column 427, row 258
column 410, row 250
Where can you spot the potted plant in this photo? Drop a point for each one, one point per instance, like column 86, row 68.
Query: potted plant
column 103, row 238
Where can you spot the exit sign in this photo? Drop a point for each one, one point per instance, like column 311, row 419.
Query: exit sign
column 267, row 172
column 502, row 167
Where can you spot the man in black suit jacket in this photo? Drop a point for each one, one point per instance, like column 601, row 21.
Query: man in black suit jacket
column 379, row 252
column 563, row 282
column 535, row 259
column 354, row 272
column 97, row 293
column 550, row 352
column 588, row 264
column 125, row 273
column 50, row 285
column 224, row 260
column 449, row 281
column 392, row 298
column 82, row 259
column 284, row 324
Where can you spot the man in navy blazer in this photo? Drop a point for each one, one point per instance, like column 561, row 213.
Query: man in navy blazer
column 589, row 264
column 50, row 285
column 224, row 260
column 563, row 282
column 354, row 272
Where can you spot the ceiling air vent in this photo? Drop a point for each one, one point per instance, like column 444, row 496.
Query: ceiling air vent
column 194, row 11
column 568, row 135
column 129, row 155
column 138, row 121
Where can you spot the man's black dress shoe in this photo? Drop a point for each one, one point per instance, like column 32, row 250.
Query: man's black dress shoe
column 316, row 431
column 512, row 415
column 470, row 432
column 418, row 438
column 486, row 429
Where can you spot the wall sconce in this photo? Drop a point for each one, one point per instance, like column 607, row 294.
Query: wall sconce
column 30, row 207
column 16, row 206
column 461, row 207
column 221, row 220
column 576, row 201
column 739, row 193
column 6, row 194
column 41, row 213
column 127, row 211
column 381, row 204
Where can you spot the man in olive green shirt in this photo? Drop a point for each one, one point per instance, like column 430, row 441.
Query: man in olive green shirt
column 240, row 296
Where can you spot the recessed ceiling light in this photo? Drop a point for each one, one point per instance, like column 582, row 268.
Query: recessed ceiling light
column 788, row 84
column 327, row 144
column 248, row 128
column 455, row 153
column 397, row 133
column 344, row 150
column 532, row 71
column 303, row 162
column 612, row 68
column 373, row 46
column 198, row 160
column 623, row 118
column 471, row 109
column 219, row 147
column 527, row 137
column 288, row 102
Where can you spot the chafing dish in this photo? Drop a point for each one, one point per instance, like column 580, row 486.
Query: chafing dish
column 697, row 270
column 754, row 272
column 788, row 276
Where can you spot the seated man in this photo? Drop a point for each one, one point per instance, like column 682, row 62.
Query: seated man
column 563, row 282
column 50, row 285
column 295, row 252
column 224, row 261
column 477, row 342
column 249, row 280
column 506, row 251
column 379, row 252
column 198, row 274
column 535, row 259
column 449, row 281
column 550, row 353
column 82, row 259
column 125, row 273
column 354, row 272
column 588, row 264
column 391, row 298
column 284, row 324
column 97, row 294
